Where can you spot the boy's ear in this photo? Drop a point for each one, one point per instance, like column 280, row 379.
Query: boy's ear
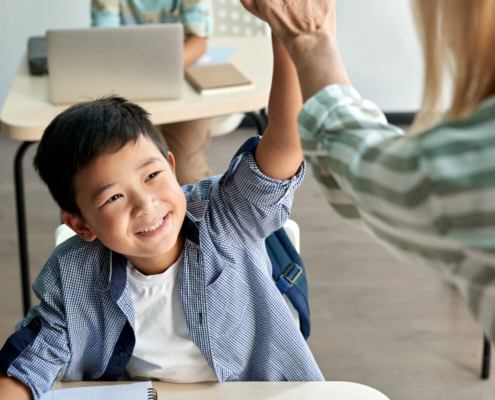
column 171, row 161
column 78, row 226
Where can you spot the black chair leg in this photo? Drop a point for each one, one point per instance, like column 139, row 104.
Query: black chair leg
column 22, row 226
column 487, row 350
column 263, row 113
column 258, row 120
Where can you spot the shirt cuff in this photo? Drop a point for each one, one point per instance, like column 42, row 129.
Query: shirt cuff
column 260, row 189
column 104, row 19
column 197, row 20
column 317, row 109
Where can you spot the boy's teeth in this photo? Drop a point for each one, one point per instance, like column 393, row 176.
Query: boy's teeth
column 154, row 227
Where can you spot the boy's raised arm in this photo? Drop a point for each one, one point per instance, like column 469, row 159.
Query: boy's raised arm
column 279, row 153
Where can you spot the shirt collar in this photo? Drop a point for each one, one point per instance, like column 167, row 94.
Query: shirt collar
column 196, row 210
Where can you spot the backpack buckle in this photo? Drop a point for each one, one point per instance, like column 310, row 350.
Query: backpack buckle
column 292, row 273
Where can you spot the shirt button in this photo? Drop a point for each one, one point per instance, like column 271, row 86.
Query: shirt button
column 123, row 355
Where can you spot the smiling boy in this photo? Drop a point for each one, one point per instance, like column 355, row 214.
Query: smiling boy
column 162, row 282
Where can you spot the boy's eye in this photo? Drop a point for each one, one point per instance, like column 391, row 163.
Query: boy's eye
column 113, row 198
column 151, row 176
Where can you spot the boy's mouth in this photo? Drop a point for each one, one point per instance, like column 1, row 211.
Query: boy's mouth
column 155, row 226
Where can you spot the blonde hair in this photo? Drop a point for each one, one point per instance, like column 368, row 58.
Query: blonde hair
column 458, row 38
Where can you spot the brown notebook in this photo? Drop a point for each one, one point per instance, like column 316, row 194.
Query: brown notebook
column 217, row 79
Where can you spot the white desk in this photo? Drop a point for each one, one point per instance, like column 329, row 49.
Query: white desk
column 254, row 390
column 27, row 111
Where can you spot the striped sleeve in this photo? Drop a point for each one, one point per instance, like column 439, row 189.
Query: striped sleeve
column 197, row 17
column 429, row 198
column 105, row 13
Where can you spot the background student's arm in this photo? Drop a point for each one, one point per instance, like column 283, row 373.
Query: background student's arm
column 196, row 17
column 194, row 48
column 11, row 388
column 279, row 153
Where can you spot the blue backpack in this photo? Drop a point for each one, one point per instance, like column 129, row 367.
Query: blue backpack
column 289, row 275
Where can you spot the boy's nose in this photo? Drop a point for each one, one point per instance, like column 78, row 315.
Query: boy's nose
column 143, row 204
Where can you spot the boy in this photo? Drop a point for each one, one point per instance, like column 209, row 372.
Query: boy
column 187, row 140
column 162, row 282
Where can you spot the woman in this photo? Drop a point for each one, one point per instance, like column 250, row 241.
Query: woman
column 430, row 196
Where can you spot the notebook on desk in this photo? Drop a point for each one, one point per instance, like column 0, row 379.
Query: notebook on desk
column 217, row 79
column 135, row 391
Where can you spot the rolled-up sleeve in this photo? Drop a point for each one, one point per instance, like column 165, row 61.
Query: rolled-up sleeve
column 428, row 197
column 37, row 351
column 197, row 17
column 245, row 204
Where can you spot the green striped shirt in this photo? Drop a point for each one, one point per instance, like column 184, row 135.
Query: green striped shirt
column 430, row 198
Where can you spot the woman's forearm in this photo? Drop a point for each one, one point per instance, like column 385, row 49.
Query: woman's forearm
column 318, row 63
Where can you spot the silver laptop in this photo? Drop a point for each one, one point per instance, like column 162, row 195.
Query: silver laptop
column 139, row 63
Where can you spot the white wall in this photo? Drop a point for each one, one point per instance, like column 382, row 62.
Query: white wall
column 20, row 19
column 379, row 45
column 377, row 41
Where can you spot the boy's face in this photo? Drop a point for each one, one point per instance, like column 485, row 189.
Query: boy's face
column 132, row 202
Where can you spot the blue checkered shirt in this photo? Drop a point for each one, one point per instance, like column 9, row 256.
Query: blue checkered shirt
column 235, row 314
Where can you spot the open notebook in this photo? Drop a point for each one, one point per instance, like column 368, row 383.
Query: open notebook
column 134, row 391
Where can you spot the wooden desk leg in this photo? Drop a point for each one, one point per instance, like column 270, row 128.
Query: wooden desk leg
column 485, row 366
column 22, row 226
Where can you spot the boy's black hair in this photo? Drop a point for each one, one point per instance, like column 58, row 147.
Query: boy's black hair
column 77, row 136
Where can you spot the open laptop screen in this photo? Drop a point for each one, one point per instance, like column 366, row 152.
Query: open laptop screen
column 137, row 62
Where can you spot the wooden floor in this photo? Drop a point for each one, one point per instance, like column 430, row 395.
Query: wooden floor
column 375, row 320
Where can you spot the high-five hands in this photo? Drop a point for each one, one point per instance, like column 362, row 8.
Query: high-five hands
column 295, row 20
column 307, row 29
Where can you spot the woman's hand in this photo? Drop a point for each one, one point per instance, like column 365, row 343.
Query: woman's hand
column 296, row 20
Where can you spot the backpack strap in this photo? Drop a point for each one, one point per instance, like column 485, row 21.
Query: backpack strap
column 289, row 275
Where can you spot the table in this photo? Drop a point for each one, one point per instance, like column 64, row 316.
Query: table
column 254, row 390
column 27, row 111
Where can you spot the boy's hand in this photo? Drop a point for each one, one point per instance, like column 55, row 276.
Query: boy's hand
column 11, row 388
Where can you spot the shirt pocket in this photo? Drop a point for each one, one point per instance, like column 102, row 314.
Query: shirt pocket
column 227, row 301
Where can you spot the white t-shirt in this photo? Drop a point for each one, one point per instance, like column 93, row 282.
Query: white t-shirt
column 164, row 349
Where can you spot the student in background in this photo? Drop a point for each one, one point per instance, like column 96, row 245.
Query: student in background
column 187, row 140
column 429, row 196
